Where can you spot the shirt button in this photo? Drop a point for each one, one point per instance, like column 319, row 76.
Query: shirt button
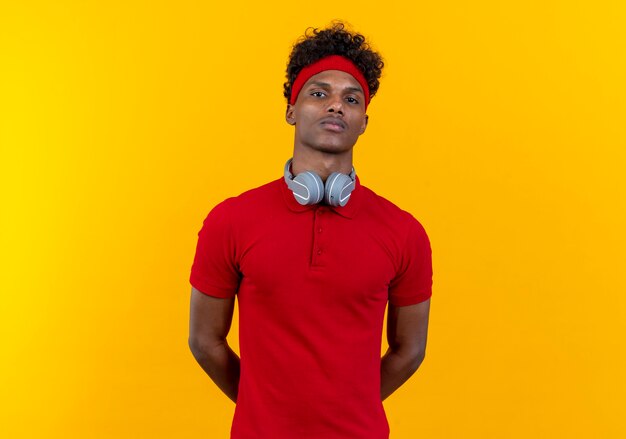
column 319, row 251
column 319, row 230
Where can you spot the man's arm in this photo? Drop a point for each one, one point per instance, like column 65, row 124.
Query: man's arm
column 209, row 322
column 407, row 328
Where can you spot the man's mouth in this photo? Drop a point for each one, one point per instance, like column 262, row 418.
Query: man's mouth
column 333, row 124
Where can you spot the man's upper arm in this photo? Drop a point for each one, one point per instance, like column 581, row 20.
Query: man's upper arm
column 209, row 320
column 215, row 268
column 407, row 328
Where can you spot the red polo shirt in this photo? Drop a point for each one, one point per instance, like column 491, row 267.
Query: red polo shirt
column 312, row 284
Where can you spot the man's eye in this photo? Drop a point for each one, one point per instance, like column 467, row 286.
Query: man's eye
column 318, row 94
column 352, row 100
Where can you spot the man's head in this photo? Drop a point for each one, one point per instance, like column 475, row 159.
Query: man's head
column 331, row 76
column 335, row 40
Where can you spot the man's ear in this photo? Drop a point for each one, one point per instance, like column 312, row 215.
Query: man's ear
column 289, row 115
column 364, row 124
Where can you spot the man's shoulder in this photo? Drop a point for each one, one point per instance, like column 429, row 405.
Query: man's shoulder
column 377, row 206
column 254, row 196
column 374, row 201
column 268, row 190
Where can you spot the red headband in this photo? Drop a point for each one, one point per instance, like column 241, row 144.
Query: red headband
column 332, row 62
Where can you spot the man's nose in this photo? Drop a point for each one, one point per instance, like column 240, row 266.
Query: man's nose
column 335, row 106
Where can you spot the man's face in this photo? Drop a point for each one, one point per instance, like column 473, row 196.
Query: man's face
column 329, row 114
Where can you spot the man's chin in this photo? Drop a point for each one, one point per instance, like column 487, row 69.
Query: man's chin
column 336, row 151
column 332, row 148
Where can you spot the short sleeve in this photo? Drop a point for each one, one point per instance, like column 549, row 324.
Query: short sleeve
column 215, row 271
column 413, row 281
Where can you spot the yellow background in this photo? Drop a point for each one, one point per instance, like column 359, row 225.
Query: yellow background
column 500, row 125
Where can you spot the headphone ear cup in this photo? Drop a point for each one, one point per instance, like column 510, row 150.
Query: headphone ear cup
column 308, row 188
column 337, row 190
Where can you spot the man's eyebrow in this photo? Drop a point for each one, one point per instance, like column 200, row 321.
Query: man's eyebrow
column 327, row 85
column 320, row 84
column 354, row 89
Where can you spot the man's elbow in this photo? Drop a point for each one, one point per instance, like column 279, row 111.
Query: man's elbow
column 416, row 360
column 194, row 346
column 201, row 348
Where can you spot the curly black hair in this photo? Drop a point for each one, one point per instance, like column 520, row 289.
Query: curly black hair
column 334, row 40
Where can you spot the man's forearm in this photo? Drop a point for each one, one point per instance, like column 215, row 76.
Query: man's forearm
column 222, row 365
column 395, row 368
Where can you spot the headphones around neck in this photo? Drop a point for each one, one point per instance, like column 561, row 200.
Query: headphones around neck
column 308, row 188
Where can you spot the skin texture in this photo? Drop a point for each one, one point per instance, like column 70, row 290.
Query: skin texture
column 323, row 147
column 407, row 330
column 209, row 324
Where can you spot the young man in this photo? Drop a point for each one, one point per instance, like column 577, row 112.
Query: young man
column 314, row 258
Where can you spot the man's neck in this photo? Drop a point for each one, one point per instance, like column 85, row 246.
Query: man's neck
column 323, row 164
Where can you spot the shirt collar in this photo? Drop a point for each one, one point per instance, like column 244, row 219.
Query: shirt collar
column 347, row 211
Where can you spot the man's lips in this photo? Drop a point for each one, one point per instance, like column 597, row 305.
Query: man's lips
column 333, row 124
